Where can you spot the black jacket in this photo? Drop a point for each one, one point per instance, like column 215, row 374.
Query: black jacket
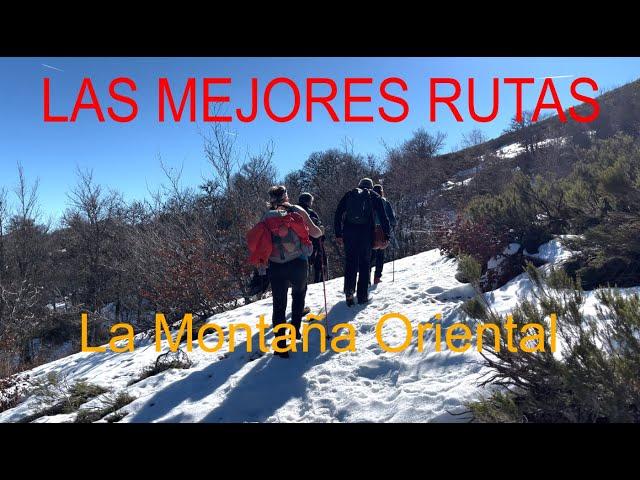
column 316, row 219
column 390, row 213
column 376, row 204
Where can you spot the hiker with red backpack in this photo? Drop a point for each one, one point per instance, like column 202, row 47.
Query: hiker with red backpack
column 355, row 227
column 377, row 255
column 281, row 243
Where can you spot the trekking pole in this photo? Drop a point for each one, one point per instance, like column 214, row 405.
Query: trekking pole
column 393, row 261
column 393, row 265
column 328, row 269
column 324, row 288
column 393, row 268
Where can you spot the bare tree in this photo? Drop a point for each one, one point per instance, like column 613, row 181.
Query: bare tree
column 525, row 132
column 27, row 196
column 24, row 224
column 92, row 219
column 413, row 178
column 473, row 138
column 24, row 262
column 347, row 145
column 424, row 145
column 221, row 151
column 4, row 214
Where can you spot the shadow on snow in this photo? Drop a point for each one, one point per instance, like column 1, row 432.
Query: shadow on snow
column 258, row 394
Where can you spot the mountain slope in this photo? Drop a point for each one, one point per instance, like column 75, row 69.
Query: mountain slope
column 366, row 385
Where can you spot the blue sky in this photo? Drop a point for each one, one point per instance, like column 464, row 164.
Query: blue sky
column 125, row 156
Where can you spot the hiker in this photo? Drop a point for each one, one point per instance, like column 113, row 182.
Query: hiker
column 354, row 227
column 377, row 256
column 281, row 241
column 318, row 259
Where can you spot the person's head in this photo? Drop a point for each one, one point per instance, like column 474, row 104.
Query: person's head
column 305, row 199
column 378, row 189
column 278, row 196
column 366, row 183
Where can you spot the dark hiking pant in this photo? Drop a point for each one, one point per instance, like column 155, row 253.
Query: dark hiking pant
column 318, row 267
column 357, row 251
column 282, row 276
column 377, row 257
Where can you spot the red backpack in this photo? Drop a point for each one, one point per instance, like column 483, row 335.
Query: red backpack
column 260, row 239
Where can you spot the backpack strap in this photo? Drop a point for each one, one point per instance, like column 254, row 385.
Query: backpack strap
column 278, row 241
column 373, row 214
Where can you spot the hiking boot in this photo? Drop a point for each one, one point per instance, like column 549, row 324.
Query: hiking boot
column 306, row 311
column 362, row 301
column 376, row 280
column 350, row 301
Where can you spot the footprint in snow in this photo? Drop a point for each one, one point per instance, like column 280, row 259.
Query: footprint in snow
column 434, row 290
column 377, row 368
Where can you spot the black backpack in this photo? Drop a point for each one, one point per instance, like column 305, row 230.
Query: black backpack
column 358, row 209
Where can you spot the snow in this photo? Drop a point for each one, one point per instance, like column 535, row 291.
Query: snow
column 551, row 252
column 367, row 385
column 449, row 184
column 58, row 306
column 514, row 149
column 509, row 250
column 510, row 151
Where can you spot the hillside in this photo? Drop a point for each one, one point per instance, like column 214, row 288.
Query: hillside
column 186, row 252
column 619, row 111
column 367, row 385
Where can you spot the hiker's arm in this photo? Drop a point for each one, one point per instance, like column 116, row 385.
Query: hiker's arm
column 318, row 222
column 314, row 230
column 382, row 214
column 337, row 219
column 392, row 216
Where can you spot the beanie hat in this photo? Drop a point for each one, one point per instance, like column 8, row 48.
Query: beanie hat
column 305, row 198
column 366, row 183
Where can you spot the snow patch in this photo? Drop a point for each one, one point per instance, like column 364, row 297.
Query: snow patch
column 551, row 252
column 510, row 151
column 368, row 385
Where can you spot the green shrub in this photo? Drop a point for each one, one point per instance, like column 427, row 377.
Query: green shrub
column 529, row 211
column 594, row 379
column 58, row 396
column 603, row 195
column 166, row 361
column 117, row 416
column 110, row 404
column 469, row 269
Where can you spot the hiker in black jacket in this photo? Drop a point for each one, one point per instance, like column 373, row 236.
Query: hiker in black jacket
column 354, row 224
column 377, row 256
column 317, row 260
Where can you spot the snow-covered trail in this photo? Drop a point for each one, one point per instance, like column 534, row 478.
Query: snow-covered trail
column 366, row 385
